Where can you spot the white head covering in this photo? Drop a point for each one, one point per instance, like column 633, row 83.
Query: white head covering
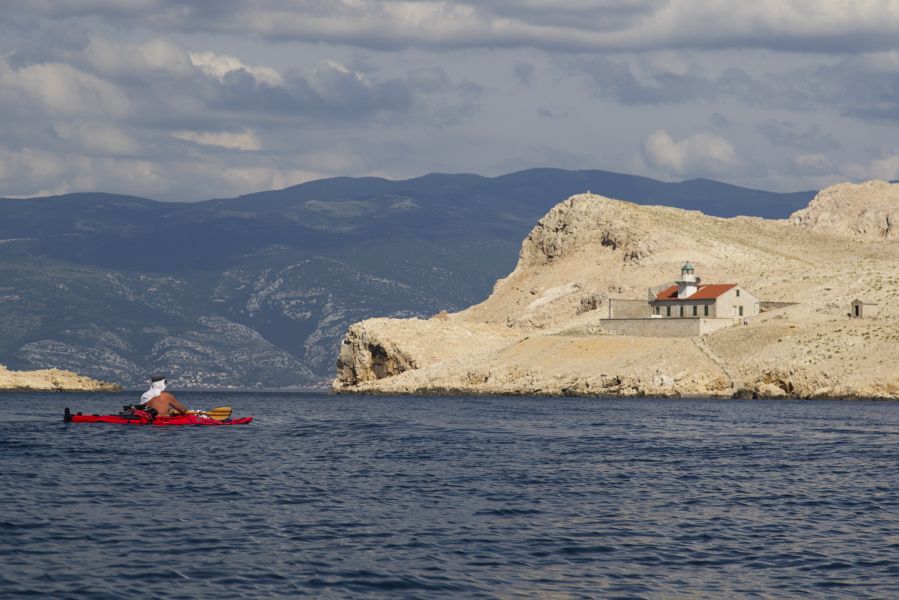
column 156, row 388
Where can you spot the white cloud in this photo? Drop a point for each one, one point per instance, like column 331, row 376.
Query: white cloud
column 702, row 153
column 244, row 140
column 31, row 172
column 219, row 65
column 127, row 59
column 886, row 168
column 17, row 166
column 60, row 89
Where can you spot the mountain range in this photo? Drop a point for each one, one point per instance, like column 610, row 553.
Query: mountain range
column 258, row 290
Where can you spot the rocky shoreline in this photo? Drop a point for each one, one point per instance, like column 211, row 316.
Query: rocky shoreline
column 540, row 332
column 526, row 376
column 51, row 380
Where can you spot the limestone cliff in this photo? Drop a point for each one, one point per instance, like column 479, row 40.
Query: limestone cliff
column 379, row 348
column 538, row 331
column 867, row 210
column 51, row 380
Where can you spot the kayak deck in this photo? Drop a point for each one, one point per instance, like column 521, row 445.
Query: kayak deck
column 130, row 419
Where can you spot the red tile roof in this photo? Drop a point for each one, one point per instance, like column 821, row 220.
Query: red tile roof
column 705, row 292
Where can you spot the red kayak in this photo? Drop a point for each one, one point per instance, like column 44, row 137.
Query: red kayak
column 139, row 417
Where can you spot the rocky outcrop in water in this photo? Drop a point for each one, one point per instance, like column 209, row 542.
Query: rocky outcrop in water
column 539, row 332
column 52, row 380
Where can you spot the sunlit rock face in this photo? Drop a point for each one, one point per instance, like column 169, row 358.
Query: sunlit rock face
column 866, row 210
column 539, row 332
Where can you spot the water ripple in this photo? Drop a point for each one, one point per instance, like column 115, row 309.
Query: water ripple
column 452, row 497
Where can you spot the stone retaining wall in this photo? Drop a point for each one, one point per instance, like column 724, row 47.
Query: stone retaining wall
column 687, row 327
column 621, row 308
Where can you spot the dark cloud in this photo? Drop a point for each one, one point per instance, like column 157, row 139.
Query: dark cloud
column 42, row 49
column 865, row 86
column 791, row 135
column 335, row 91
column 567, row 25
column 524, row 72
column 431, row 80
column 601, row 15
column 548, row 113
column 719, row 121
column 332, row 91
column 616, row 80
column 169, row 84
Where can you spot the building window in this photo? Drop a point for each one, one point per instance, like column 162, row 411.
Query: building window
column 741, row 311
column 695, row 308
column 705, row 309
column 657, row 309
column 667, row 311
column 738, row 293
column 681, row 311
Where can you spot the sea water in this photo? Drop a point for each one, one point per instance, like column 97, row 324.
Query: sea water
column 330, row 496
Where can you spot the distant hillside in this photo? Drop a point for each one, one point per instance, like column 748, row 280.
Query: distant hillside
column 258, row 289
column 539, row 190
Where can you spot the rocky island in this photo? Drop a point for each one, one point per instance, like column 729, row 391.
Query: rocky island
column 51, row 380
column 825, row 322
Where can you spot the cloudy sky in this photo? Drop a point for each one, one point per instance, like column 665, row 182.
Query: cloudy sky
column 213, row 98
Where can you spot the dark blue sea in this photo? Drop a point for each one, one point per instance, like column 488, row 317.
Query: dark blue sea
column 348, row 497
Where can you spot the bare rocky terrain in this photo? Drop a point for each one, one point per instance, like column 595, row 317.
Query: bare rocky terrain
column 537, row 333
column 51, row 380
column 868, row 210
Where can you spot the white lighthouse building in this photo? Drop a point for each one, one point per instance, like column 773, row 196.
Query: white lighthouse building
column 689, row 297
column 688, row 283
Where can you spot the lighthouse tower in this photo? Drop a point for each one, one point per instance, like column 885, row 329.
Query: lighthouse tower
column 688, row 283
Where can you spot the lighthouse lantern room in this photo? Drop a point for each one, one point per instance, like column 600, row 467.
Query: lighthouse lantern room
column 688, row 282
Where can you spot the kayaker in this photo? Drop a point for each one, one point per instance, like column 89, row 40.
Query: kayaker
column 156, row 398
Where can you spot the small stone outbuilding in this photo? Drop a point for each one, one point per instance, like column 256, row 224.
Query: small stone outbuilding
column 862, row 309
